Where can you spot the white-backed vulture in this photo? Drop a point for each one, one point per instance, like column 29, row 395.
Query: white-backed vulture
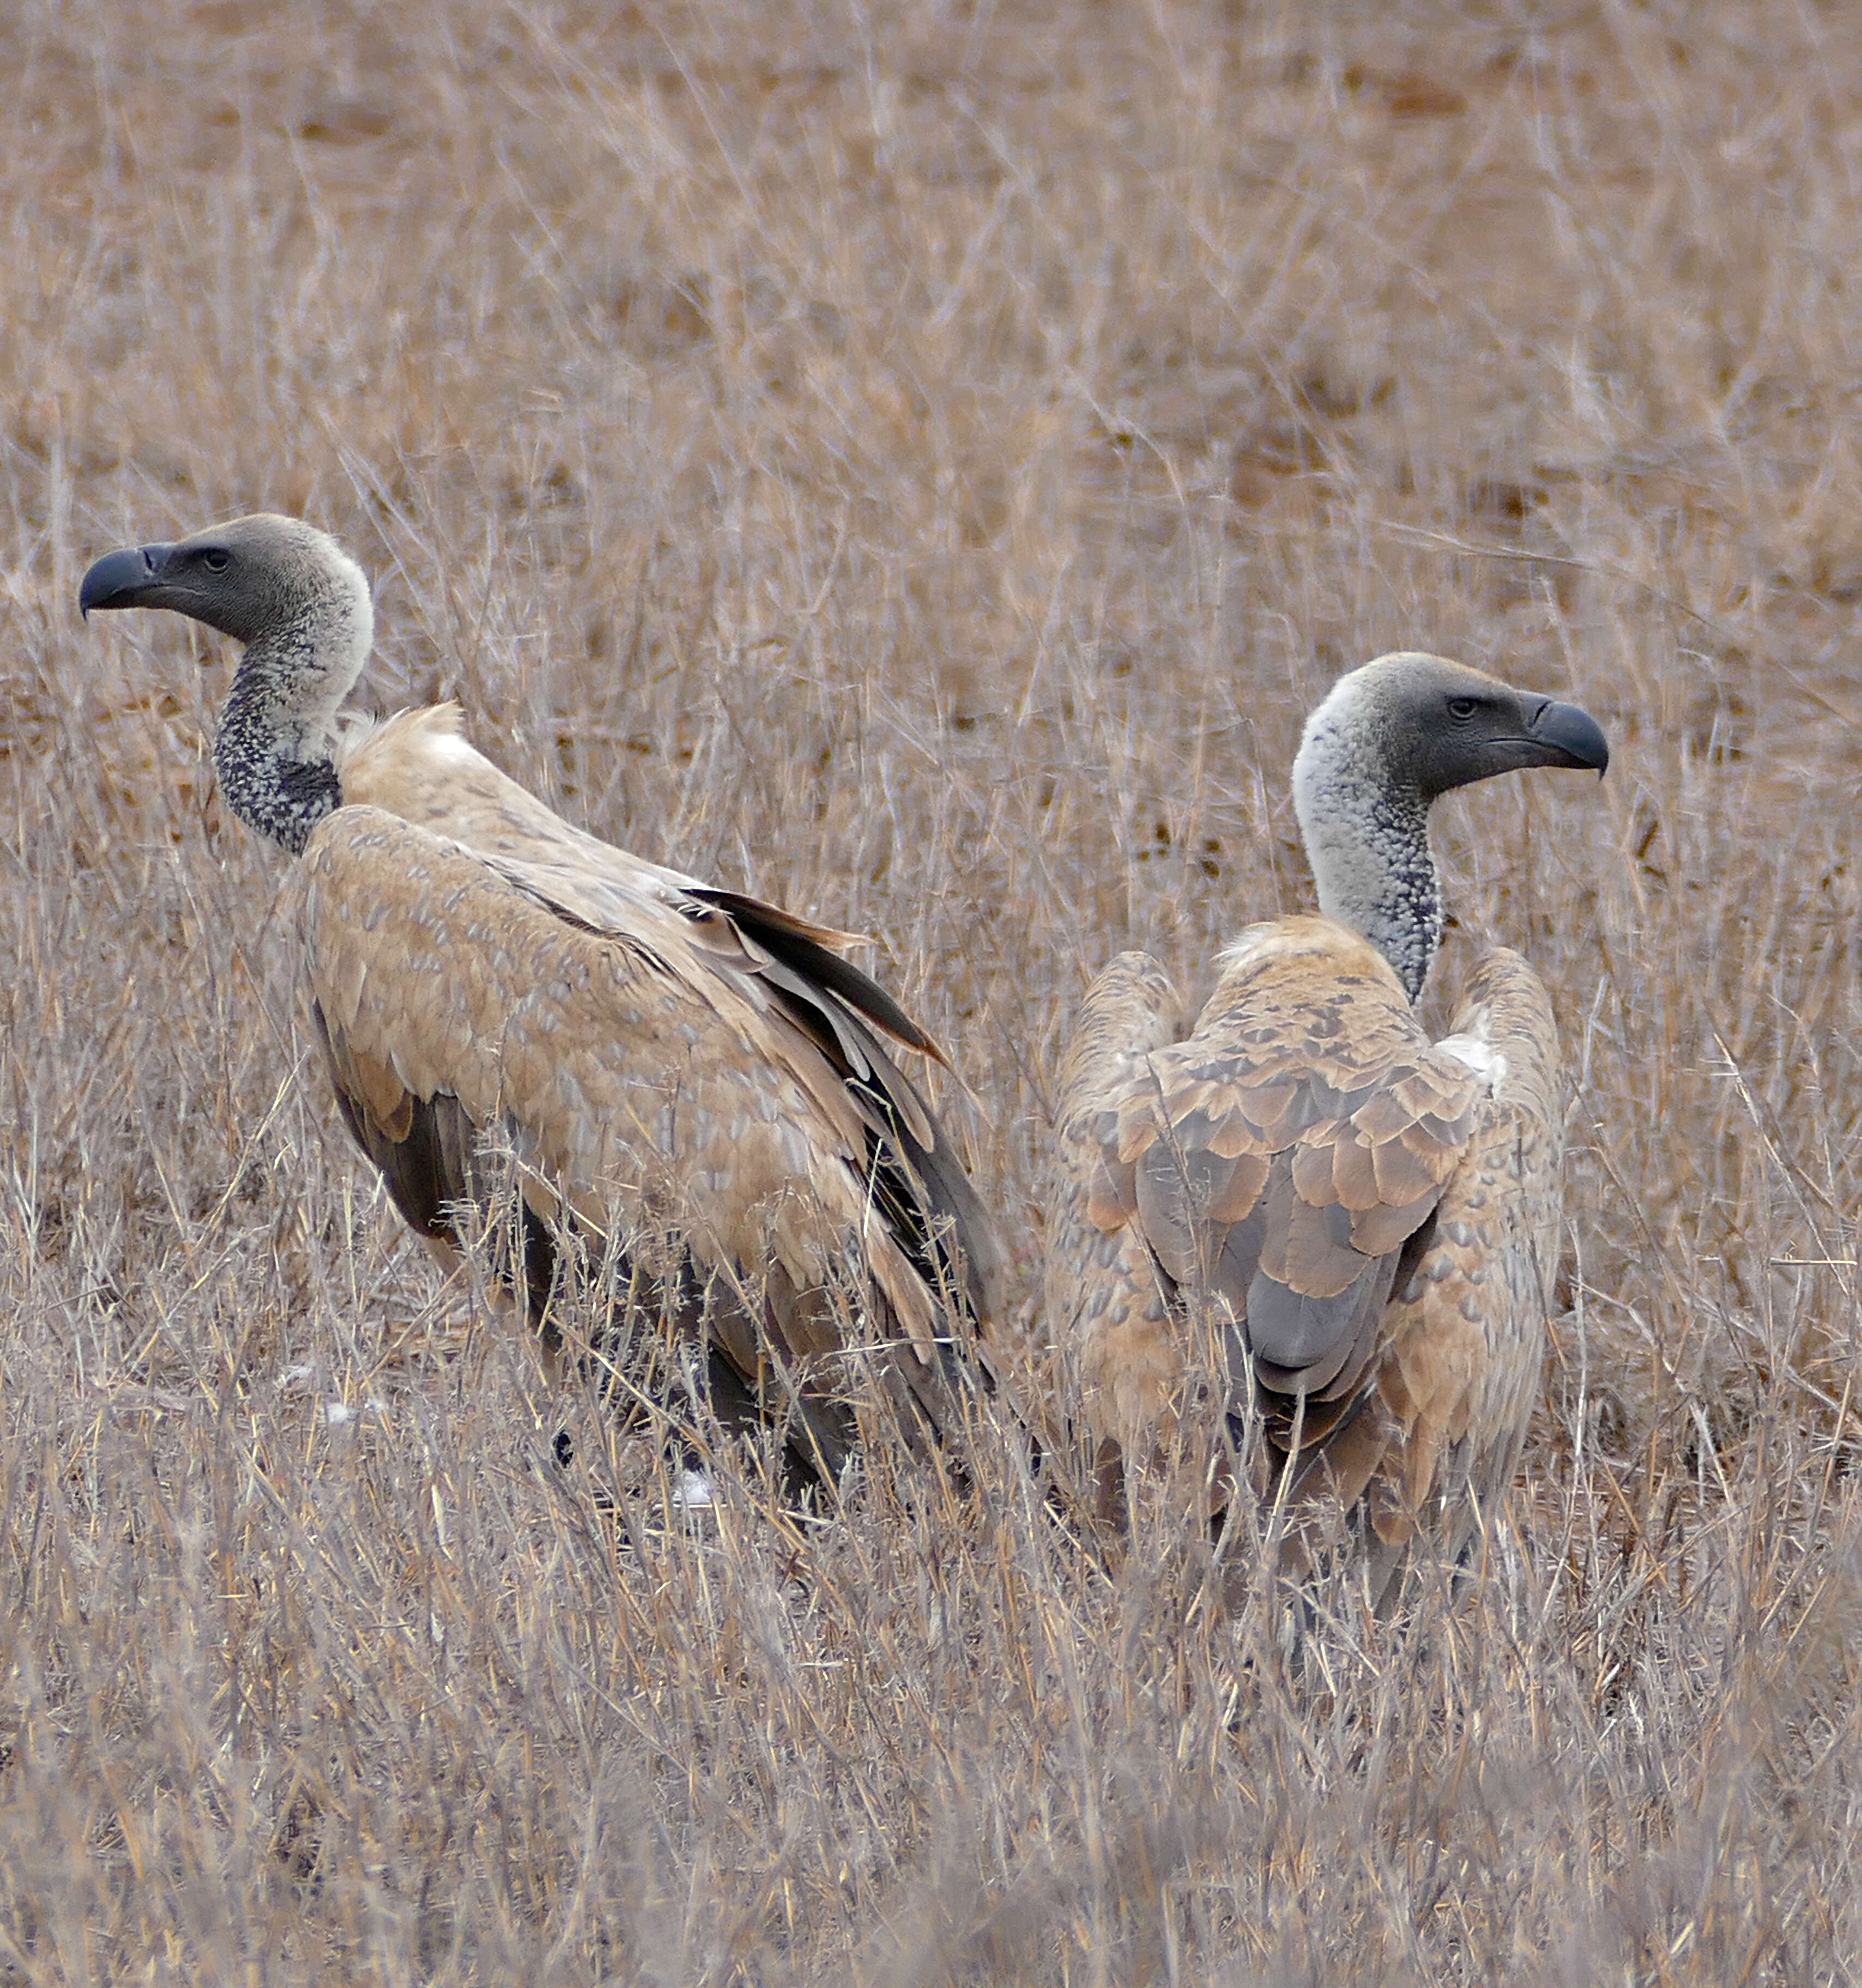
column 663, row 1058
column 1360, row 1225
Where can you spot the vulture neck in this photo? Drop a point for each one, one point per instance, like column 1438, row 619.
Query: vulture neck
column 275, row 754
column 1366, row 834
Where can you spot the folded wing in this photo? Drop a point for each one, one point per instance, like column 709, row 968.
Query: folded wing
column 1312, row 1176
column 656, row 1055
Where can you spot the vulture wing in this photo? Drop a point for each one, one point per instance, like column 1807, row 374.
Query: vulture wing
column 1110, row 1307
column 1306, row 1154
column 1466, row 1327
column 418, row 765
column 652, row 1065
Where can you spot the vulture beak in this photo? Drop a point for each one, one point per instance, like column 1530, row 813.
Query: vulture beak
column 1562, row 734
column 131, row 578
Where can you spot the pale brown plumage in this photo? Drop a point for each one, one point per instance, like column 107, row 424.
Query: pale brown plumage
column 1357, row 1227
column 663, row 1060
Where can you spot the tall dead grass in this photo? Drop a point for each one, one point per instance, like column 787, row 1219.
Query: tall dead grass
column 919, row 463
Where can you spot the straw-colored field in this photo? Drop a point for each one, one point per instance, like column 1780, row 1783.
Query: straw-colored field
column 920, row 464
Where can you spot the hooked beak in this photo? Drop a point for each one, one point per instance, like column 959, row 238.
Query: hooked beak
column 1562, row 734
column 131, row 578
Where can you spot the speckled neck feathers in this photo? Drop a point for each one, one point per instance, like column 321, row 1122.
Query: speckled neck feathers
column 274, row 754
column 1366, row 826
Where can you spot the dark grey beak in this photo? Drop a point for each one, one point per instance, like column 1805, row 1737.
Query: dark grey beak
column 1564, row 736
column 128, row 578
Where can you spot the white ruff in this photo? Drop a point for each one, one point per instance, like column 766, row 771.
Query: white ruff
column 1261, row 942
column 1480, row 1056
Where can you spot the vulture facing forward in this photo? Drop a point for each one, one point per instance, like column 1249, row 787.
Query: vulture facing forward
column 1361, row 1225
column 665, row 1060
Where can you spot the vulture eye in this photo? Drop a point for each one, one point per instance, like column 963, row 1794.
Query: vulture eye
column 1462, row 709
column 214, row 561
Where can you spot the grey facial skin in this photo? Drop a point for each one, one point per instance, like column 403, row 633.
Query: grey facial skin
column 1389, row 741
column 303, row 611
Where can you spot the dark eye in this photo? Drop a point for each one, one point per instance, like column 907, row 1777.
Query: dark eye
column 1462, row 709
column 214, row 561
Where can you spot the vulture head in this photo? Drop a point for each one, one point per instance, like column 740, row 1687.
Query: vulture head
column 1386, row 742
column 1426, row 725
column 300, row 605
column 255, row 578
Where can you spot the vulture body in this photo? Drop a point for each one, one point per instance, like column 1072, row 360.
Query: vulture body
column 694, row 1080
column 1354, row 1228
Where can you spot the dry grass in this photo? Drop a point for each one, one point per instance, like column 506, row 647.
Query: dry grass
column 920, row 464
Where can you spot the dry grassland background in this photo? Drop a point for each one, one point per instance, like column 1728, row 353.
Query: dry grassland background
column 919, row 463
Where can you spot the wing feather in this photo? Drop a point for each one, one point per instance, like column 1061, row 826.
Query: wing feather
column 1113, row 1343
column 650, row 1066
column 813, row 953
column 1467, row 1326
column 1376, row 1213
column 955, row 1244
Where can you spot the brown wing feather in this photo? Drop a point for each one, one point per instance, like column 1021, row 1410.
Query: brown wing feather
column 658, row 1082
column 418, row 765
column 1307, row 1066
column 1308, row 1166
column 1113, row 1341
column 810, row 950
column 913, row 1177
column 1466, row 1332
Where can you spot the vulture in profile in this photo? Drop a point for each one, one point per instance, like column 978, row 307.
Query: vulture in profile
column 694, row 1080
column 1357, row 1226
